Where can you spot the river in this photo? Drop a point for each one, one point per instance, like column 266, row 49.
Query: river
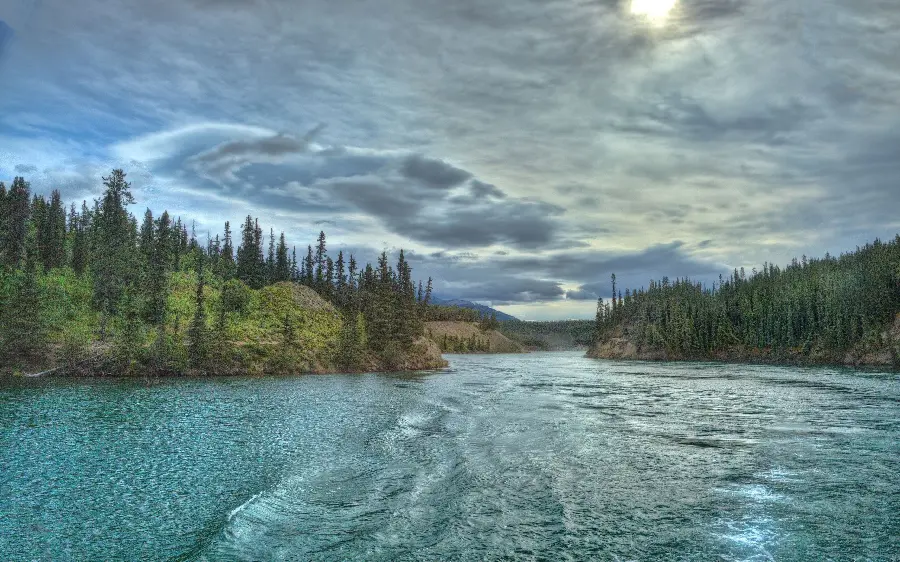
column 537, row 456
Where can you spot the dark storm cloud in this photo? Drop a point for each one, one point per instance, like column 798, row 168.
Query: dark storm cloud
column 25, row 169
column 225, row 159
column 432, row 173
column 405, row 209
column 480, row 189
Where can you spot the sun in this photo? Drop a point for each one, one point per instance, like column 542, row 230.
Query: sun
column 652, row 9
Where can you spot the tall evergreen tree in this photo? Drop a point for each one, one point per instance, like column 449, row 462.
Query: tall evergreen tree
column 145, row 237
column 282, row 262
column 112, row 261
column 53, row 233
column 308, row 266
column 81, row 241
column 271, row 274
column 159, row 263
column 17, row 211
column 321, row 254
column 227, row 268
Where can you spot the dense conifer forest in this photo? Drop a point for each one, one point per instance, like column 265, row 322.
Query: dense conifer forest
column 92, row 285
column 832, row 309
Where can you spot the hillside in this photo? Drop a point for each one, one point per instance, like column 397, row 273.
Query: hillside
column 285, row 328
column 468, row 337
column 479, row 308
column 558, row 335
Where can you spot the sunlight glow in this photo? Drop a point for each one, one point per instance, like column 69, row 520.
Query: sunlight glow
column 652, row 9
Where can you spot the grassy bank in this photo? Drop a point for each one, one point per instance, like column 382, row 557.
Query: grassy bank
column 469, row 337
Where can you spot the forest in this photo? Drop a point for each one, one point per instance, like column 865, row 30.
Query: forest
column 553, row 335
column 835, row 309
column 94, row 290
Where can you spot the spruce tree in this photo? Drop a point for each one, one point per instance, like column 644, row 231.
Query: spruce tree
column 145, row 237
column 112, row 261
column 271, row 275
column 55, row 233
column 17, row 211
column 81, row 240
column 282, row 262
column 157, row 271
column 246, row 254
column 308, row 266
column 320, row 262
column 340, row 281
column 226, row 264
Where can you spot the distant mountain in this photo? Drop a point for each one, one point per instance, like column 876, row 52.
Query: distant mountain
column 501, row 316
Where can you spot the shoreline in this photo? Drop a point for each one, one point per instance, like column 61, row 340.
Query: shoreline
column 870, row 361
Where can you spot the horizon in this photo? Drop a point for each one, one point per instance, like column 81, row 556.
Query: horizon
column 519, row 156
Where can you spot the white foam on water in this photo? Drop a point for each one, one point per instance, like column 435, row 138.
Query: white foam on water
column 241, row 507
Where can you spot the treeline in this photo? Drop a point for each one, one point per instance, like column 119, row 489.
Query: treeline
column 822, row 307
column 550, row 335
column 127, row 267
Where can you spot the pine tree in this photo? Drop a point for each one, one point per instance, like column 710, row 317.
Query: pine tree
column 145, row 237
column 282, row 262
column 320, row 262
column 340, row 281
column 328, row 282
column 308, row 267
column 157, row 272
column 227, row 268
column 55, row 233
column 270, row 260
column 17, row 211
column 112, row 258
column 81, row 241
column 259, row 270
column 247, row 254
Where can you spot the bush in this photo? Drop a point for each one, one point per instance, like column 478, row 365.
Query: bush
column 236, row 296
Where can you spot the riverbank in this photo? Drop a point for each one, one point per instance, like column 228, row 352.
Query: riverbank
column 284, row 328
column 884, row 353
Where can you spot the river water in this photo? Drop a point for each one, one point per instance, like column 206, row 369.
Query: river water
column 538, row 456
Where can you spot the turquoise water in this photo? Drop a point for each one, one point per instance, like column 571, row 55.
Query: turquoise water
column 546, row 455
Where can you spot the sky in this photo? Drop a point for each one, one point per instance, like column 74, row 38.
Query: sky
column 520, row 151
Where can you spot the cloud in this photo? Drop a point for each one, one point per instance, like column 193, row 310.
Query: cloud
column 581, row 295
column 748, row 132
column 432, row 173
